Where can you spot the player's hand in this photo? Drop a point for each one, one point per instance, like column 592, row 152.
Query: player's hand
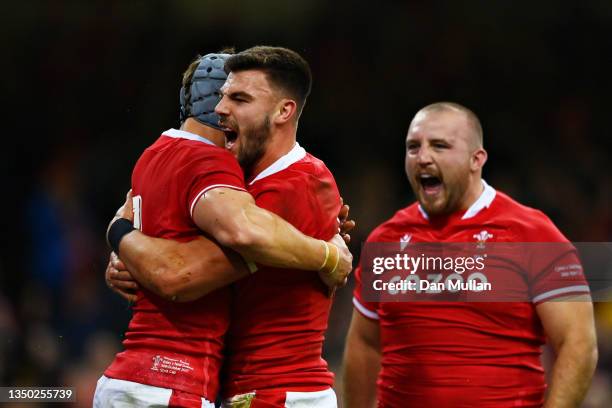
column 119, row 280
column 346, row 225
column 339, row 276
column 125, row 211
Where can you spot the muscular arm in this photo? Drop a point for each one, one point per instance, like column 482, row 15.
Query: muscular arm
column 361, row 362
column 187, row 271
column 235, row 221
column 570, row 328
column 180, row 271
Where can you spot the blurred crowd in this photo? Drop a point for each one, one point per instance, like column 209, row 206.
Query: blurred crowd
column 92, row 83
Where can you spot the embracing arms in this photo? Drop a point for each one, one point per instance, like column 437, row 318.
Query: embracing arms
column 187, row 271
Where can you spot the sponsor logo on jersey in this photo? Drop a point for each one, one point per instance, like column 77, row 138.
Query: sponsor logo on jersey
column 404, row 241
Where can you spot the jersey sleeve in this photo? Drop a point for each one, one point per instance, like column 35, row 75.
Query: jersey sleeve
column 368, row 309
column 563, row 276
column 554, row 267
column 219, row 169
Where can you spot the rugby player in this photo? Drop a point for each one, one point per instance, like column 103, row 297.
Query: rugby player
column 274, row 345
column 460, row 354
column 183, row 184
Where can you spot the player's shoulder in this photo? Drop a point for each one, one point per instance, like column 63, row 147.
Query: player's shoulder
column 179, row 140
column 206, row 155
column 317, row 165
column 308, row 173
column 309, row 167
column 199, row 149
column 403, row 219
column 529, row 224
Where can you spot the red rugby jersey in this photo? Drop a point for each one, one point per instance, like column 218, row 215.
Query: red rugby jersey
column 460, row 354
column 279, row 316
column 177, row 345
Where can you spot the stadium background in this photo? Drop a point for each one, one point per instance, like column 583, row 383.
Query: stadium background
column 89, row 84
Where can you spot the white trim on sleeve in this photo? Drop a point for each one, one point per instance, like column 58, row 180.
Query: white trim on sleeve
column 197, row 197
column 560, row 291
column 365, row 311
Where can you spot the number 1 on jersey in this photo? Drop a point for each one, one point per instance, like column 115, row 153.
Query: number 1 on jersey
column 137, row 209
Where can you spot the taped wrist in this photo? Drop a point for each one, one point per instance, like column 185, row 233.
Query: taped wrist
column 326, row 255
column 332, row 259
column 119, row 229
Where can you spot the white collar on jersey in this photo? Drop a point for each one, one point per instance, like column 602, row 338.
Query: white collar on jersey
column 181, row 134
column 296, row 154
column 484, row 201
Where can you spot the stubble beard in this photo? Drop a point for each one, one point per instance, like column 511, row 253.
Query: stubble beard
column 452, row 193
column 254, row 143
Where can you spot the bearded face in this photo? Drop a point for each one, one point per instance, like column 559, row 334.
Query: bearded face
column 438, row 156
column 250, row 144
column 244, row 112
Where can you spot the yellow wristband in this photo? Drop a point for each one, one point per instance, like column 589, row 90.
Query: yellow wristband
column 337, row 260
column 326, row 255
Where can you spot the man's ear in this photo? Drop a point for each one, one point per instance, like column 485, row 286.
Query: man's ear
column 479, row 158
column 286, row 110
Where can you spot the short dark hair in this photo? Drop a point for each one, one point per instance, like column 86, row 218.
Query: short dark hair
column 284, row 68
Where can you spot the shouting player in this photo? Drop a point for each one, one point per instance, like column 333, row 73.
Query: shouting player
column 480, row 354
column 274, row 346
column 279, row 319
column 183, row 184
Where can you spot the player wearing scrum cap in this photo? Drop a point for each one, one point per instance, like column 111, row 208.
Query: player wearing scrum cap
column 183, row 184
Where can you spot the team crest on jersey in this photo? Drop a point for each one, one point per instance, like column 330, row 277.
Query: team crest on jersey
column 404, row 241
column 481, row 238
column 156, row 361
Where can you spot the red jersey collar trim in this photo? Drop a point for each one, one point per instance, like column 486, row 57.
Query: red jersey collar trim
column 484, row 201
column 181, row 134
column 296, row 154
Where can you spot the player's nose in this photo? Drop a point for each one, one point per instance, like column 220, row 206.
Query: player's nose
column 423, row 156
column 222, row 109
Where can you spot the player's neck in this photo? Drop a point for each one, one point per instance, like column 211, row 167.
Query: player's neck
column 279, row 145
column 193, row 126
column 472, row 194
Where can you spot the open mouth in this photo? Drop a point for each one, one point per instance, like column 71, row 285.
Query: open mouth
column 431, row 184
column 230, row 137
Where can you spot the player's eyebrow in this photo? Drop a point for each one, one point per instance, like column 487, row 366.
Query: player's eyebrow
column 237, row 95
column 440, row 140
